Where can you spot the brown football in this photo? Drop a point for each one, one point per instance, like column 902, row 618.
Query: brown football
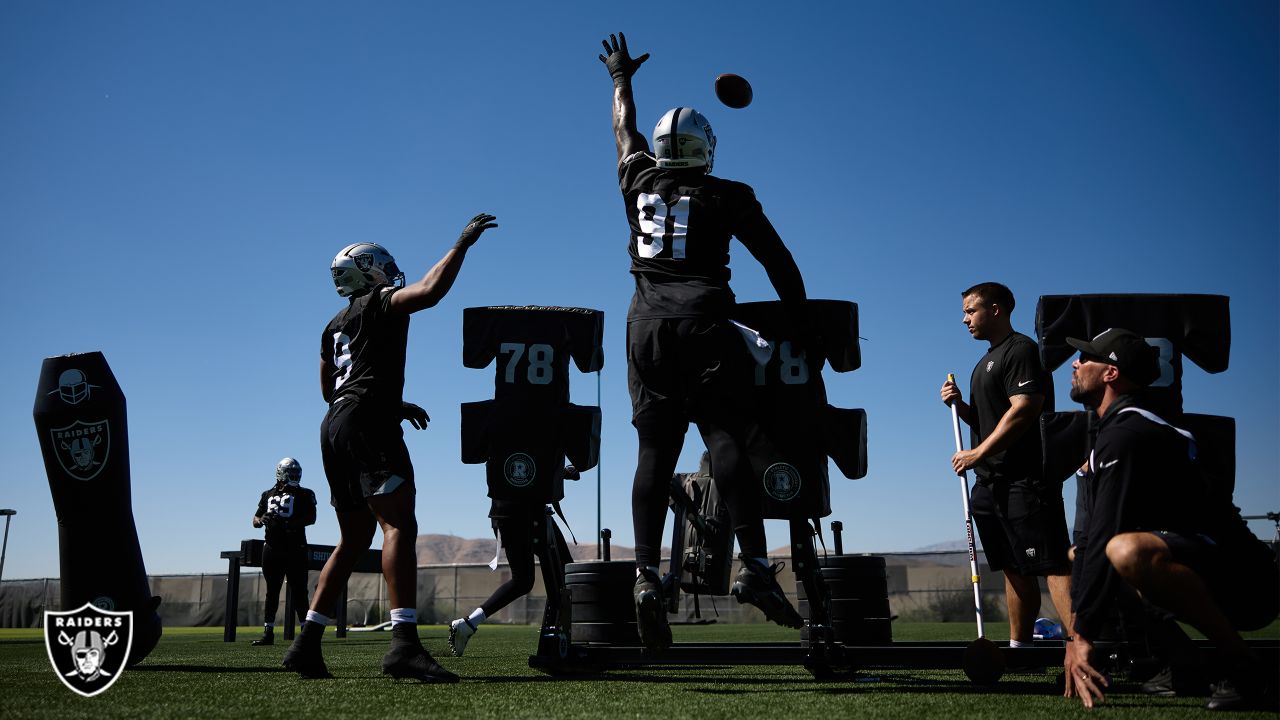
column 733, row 90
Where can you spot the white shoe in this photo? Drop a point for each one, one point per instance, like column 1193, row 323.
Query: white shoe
column 460, row 631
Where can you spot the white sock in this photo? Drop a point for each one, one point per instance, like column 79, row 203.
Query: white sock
column 317, row 618
column 477, row 617
column 651, row 568
column 1016, row 644
column 404, row 615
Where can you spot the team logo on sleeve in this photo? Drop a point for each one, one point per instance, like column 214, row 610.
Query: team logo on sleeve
column 88, row 647
column 82, row 447
column 519, row 470
column 782, row 482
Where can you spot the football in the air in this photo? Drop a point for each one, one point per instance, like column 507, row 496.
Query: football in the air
column 733, row 90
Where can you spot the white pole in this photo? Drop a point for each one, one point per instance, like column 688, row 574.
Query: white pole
column 968, row 521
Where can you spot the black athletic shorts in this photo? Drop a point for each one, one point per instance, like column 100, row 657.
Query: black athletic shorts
column 364, row 454
column 1244, row 581
column 1022, row 525
column 684, row 368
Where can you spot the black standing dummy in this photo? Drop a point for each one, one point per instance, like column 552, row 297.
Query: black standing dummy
column 84, row 437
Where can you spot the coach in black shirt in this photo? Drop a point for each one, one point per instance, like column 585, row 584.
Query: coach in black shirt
column 1018, row 513
column 1151, row 522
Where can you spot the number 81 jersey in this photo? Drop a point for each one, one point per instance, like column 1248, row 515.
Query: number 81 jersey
column 681, row 223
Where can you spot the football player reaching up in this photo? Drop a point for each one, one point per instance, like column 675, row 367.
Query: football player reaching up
column 685, row 360
column 362, row 359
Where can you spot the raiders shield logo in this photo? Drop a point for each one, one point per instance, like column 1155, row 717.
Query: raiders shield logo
column 82, row 447
column 782, row 482
column 88, row 647
column 519, row 470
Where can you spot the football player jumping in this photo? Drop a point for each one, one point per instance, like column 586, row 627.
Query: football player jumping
column 685, row 360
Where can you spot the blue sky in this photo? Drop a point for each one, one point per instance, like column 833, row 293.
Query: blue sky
column 177, row 176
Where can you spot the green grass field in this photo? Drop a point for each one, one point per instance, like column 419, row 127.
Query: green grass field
column 193, row 674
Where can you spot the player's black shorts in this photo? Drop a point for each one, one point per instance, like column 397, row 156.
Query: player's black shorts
column 364, row 454
column 1022, row 525
column 1244, row 581
column 685, row 368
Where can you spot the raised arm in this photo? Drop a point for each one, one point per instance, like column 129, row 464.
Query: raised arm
column 433, row 286
column 621, row 67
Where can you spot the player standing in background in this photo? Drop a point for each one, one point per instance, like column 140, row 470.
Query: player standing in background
column 285, row 510
column 685, row 359
column 1019, row 513
column 362, row 359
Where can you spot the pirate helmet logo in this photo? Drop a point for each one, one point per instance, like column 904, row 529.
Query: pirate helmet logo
column 82, row 447
column 519, row 470
column 88, row 647
column 782, row 482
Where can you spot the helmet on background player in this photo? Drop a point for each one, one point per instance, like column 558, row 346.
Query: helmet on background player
column 683, row 139
column 360, row 267
column 289, row 472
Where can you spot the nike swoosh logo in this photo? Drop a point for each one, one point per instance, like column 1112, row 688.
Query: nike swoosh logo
column 1024, row 382
column 1108, row 464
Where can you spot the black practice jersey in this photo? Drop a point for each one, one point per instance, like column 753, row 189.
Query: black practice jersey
column 365, row 345
column 681, row 222
column 532, row 346
column 1010, row 368
column 286, row 512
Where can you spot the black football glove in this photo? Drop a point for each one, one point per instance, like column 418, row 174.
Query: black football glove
column 416, row 416
column 471, row 233
column 619, row 61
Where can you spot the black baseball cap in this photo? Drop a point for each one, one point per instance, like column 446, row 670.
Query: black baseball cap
column 1129, row 352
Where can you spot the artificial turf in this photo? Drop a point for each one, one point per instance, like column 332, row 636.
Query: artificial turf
column 193, row 674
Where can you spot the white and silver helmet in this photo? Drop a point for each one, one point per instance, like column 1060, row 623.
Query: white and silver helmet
column 360, row 267
column 289, row 472
column 683, row 139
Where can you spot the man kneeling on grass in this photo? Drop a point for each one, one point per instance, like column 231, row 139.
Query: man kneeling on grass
column 1152, row 524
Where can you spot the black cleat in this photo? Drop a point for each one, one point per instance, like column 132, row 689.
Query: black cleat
column 306, row 661
column 268, row 638
column 303, row 656
column 758, row 585
column 408, row 659
column 651, row 612
column 1243, row 688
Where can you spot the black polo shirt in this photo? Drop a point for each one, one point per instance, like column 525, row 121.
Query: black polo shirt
column 1011, row 367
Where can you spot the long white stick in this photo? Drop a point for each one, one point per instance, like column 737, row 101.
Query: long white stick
column 968, row 521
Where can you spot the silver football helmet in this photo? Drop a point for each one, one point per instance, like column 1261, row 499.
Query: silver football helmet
column 360, row 267
column 683, row 139
column 289, row 472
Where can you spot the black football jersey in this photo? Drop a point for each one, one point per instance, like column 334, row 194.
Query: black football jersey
column 797, row 430
column 680, row 225
column 365, row 345
column 1198, row 326
column 532, row 346
column 287, row 511
column 1010, row 368
column 524, row 449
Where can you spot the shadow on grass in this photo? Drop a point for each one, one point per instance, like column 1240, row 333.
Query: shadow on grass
column 254, row 669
